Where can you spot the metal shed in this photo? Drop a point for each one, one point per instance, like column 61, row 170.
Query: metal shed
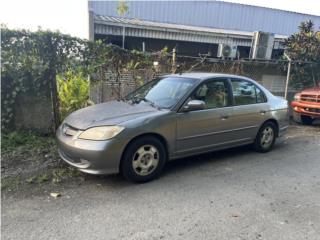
column 211, row 14
column 106, row 25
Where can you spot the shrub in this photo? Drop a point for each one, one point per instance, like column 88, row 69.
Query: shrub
column 73, row 91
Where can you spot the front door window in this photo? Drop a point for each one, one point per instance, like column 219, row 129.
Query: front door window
column 213, row 93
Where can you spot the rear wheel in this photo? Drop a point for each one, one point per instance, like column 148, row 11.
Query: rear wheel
column 143, row 160
column 266, row 137
column 306, row 120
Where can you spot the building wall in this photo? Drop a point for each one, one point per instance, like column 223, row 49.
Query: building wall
column 210, row 14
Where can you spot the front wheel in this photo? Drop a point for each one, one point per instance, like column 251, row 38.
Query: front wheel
column 265, row 138
column 143, row 160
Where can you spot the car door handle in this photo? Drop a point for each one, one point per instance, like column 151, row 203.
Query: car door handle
column 224, row 117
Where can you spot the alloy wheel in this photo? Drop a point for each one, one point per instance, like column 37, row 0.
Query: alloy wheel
column 145, row 160
column 267, row 137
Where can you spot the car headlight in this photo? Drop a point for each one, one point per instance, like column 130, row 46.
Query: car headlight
column 296, row 97
column 101, row 133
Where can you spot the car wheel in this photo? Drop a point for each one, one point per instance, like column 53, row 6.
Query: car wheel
column 306, row 120
column 266, row 137
column 143, row 159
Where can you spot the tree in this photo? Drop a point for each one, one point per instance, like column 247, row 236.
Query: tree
column 304, row 50
column 122, row 9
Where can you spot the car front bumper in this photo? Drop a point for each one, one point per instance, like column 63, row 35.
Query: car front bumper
column 308, row 109
column 94, row 157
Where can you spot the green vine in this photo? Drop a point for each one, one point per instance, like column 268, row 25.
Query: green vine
column 32, row 60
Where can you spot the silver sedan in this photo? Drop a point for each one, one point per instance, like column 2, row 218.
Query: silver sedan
column 168, row 118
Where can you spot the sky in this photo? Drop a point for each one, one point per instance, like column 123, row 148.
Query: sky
column 300, row 6
column 71, row 16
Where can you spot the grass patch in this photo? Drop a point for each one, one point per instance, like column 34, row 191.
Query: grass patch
column 38, row 179
column 30, row 159
column 63, row 173
column 13, row 140
column 56, row 175
column 10, row 183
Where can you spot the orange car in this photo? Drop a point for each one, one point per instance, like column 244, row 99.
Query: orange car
column 306, row 105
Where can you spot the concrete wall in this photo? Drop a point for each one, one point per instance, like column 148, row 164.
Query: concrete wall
column 33, row 113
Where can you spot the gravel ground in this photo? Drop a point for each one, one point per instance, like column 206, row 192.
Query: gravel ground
column 232, row 194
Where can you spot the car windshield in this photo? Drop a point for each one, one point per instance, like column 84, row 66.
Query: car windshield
column 162, row 93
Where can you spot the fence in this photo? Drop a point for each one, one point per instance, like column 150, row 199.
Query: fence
column 31, row 61
column 115, row 86
column 271, row 74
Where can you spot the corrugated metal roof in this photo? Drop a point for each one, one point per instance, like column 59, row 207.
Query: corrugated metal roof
column 141, row 28
column 212, row 14
column 167, row 26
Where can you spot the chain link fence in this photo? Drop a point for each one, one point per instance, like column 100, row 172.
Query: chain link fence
column 271, row 74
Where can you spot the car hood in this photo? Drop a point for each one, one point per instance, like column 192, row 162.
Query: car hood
column 109, row 113
column 315, row 90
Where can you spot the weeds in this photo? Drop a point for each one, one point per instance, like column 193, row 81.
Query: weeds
column 10, row 183
column 31, row 158
column 30, row 140
column 38, row 179
column 64, row 173
column 73, row 90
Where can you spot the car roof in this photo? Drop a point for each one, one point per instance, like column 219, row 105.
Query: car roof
column 205, row 75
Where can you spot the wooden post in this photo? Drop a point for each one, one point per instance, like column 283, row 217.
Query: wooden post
column 53, row 84
column 55, row 99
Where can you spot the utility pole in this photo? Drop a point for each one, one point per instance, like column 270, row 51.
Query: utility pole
column 174, row 60
column 288, row 76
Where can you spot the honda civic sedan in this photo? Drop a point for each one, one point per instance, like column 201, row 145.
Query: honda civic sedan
column 171, row 117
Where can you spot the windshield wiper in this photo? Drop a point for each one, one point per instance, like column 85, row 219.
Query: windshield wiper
column 139, row 99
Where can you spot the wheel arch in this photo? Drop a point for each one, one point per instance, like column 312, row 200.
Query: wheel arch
column 149, row 134
column 275, row 122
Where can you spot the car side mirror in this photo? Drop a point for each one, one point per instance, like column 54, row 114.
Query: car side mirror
column 194, row 105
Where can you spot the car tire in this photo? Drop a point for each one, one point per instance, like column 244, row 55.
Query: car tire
column 306, row 120
column 143, row 160
column 266, row 137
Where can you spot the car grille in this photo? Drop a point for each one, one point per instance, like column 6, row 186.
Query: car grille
column 69, row 131
column 310, row 98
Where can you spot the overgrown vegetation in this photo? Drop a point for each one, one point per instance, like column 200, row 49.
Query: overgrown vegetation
column 73, row 92
column 29, row 140
column 32, row 60
column 303, row 48
column 32, row 158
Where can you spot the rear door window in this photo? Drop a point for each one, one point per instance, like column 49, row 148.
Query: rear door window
column 214, row 93
column 245, row 92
